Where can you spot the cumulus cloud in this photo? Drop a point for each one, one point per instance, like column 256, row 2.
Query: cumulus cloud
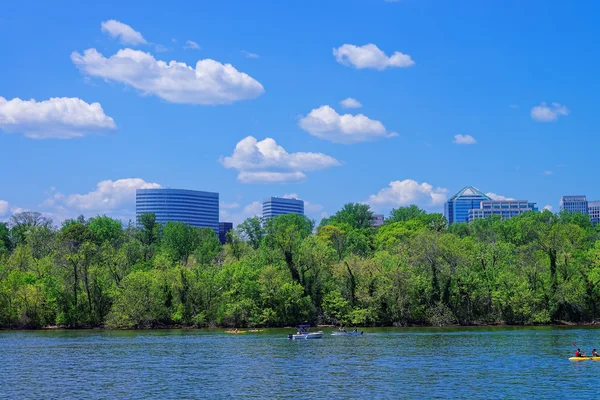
column 498, row 197
column 58, row 118
column 3, row 207
column 107, row 196
column 350, row 103
column 125, row 33
column 253, row 209
column 548, row 113
column 189, row 44
column 370, row 56
column 210, row 82
column 407, row 192
column 268, row 162
column 249, row 54
column 464, row 139
column 548, row 207
column 325, row 123
column 270, row 177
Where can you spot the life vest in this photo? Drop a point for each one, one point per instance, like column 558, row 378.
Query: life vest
column 577, row 353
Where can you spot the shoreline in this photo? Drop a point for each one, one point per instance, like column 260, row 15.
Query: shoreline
column 557, row 324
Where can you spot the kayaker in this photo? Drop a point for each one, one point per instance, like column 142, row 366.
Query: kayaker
column 578, row 353
column 595, row 353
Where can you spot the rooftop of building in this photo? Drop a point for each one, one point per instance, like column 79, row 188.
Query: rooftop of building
column 177, row 191
column 282, row 199
column 470, row 192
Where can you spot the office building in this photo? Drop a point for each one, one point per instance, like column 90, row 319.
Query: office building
column 274, row 206
column 504, row 208
column 594, row 211
column 456, row 209
column 377, row 220
column 224, row 228
column 199, row 209
column 574, row 204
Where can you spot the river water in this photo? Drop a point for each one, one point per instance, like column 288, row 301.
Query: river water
column 384, row 363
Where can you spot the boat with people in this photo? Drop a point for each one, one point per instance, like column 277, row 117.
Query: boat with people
column 344, row 332
column 584, row 358
column 303, row 333
column 235, row 332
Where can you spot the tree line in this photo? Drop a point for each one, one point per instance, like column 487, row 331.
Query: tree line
column 536, row 268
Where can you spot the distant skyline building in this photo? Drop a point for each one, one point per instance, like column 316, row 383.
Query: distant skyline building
column 574, row 204
column 504, row 208
column 224, row 228
column 274, row 206
column 196, row 208
column 456, row 209
column 594, row 211
column 377, row 220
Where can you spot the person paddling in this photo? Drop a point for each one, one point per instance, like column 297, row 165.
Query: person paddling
column 595, row 353
column 578, row 353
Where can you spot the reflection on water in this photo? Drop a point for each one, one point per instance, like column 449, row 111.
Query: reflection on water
column 498, row 362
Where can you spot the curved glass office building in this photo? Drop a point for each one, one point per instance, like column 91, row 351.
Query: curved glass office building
column 199, row 209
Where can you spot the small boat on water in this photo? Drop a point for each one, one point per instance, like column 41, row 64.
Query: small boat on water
column 303, row 333
column 256, row 330
column 584, row 358
column 235, row 332
column 343, row 332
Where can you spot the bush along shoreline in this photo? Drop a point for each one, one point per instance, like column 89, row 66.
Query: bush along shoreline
column 415, row 270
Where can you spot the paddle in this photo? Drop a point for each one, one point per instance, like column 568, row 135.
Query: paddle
column 581, row 355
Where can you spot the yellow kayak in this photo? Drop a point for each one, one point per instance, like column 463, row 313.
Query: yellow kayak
column 234, row 332
column 584, row 358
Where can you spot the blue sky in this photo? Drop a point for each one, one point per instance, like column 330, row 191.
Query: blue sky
column 516, row 78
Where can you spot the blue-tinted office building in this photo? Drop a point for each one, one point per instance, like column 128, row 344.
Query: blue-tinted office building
column 274, row 206
column 458, row 207
column 196, row 208
column 224, row 228
column 504, row 208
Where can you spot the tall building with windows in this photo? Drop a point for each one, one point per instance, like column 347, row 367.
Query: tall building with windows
column 224, row 228
column 196, row 208
column 574, row 204
column 274, row 206
column 594, row 211
column 377, row 220
column 456, row 209
column 504, row 208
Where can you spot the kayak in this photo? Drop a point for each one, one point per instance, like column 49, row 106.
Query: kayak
column 234, row 332
column 255, row 330
column 584, row 358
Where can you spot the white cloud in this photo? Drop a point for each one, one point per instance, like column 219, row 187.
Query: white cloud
column 253, row 209
column 107, row 196
column 58, row 118
column 268, row 162
column 407, row 192
column 3, row 207
column 370, row 56
column 350, row 103
column 210, row 82
column 464, row 139
column 125, row 33
column 545, row 113
column 249, row 54
column 547, row 172
column 498, row 197
column 189, row 44
column 325, row 123
column 270, row 177
column 548, row 207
